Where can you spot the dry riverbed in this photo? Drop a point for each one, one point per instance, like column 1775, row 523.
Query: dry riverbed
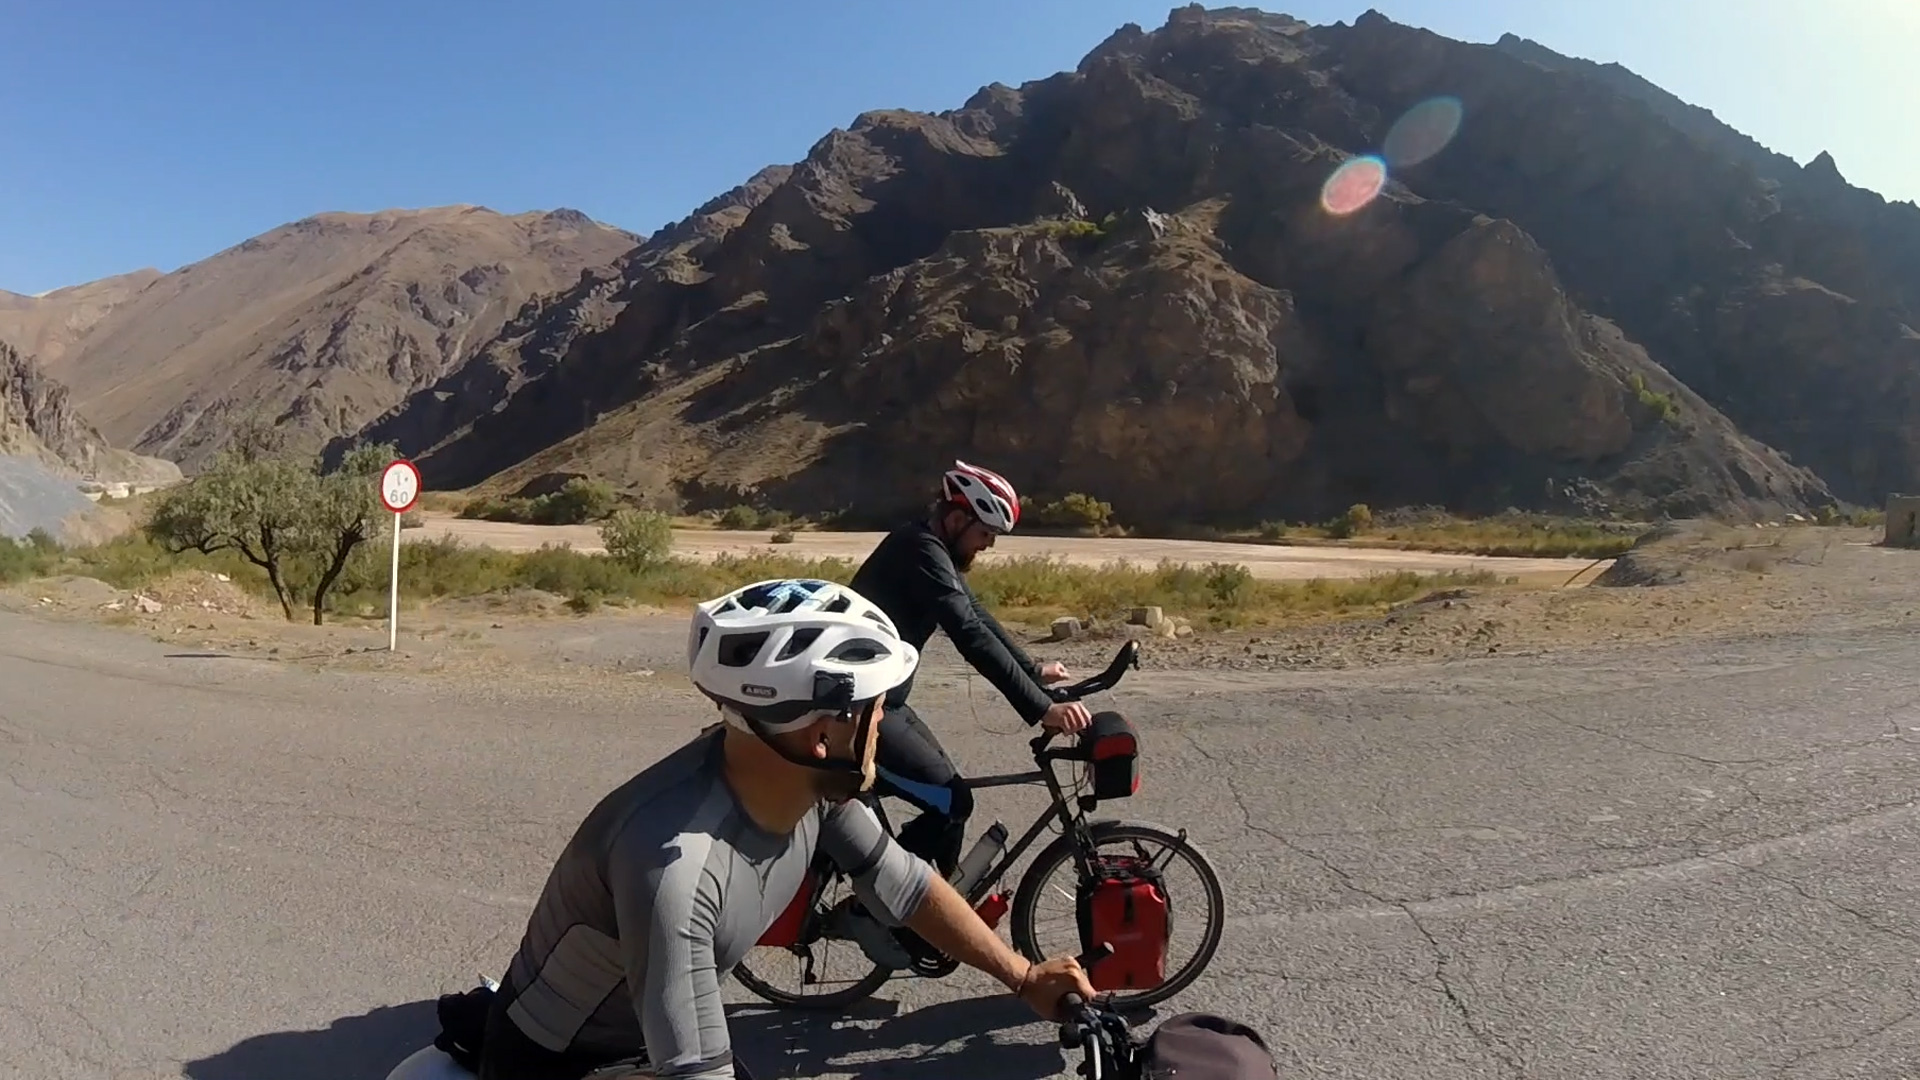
column 1274, row 562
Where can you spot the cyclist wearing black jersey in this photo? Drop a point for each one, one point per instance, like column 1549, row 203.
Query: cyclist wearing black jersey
column 917, row 576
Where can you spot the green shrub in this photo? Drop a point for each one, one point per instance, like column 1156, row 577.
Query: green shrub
column 637, row 538
column 578, row 502
column 1074, row 511
column 1662, row 405
column 21, row 560
column 1358, row 519
column 740, row 518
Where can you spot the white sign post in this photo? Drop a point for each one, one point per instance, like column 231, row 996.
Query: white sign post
column 399, row 490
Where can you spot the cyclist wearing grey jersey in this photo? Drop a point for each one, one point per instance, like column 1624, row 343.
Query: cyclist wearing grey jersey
column 677, row 873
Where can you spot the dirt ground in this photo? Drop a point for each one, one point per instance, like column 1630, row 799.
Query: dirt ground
column 1691, row 582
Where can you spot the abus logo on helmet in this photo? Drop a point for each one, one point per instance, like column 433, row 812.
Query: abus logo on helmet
column 753, row 690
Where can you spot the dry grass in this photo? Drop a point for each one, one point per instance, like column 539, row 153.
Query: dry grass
column 1516, row 535
column 1034, row 589
column 128, row 562
column 1027, row 590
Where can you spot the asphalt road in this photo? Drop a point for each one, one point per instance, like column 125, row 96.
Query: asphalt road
column 1690, row 862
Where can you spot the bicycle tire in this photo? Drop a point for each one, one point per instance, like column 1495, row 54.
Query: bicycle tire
column 839, row 999
column 1026, row 899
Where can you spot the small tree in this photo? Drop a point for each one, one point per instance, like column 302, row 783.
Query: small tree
column 281, row 514
column 344, row 513
column 255, row 505
column 637, row 539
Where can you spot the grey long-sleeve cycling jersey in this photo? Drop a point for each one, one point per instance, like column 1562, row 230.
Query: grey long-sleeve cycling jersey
column 662, row 890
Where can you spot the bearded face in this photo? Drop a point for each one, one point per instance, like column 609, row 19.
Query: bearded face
column 966, row 538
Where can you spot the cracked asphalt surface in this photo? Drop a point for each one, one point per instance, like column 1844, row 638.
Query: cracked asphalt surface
column 1693, row 861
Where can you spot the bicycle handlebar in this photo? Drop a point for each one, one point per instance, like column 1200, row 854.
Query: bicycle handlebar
column 1127, row 657
column 1102, row 1036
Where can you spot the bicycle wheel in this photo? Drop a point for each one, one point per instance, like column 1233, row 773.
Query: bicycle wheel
column 848, row 992
column 1026, row 899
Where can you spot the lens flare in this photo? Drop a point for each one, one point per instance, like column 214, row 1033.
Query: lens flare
column 1353, row 185
column 1422, row 131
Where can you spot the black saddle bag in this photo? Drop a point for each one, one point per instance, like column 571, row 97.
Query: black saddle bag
column 1203, row 1046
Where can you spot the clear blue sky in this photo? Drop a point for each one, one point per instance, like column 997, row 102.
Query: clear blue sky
column 140, row 133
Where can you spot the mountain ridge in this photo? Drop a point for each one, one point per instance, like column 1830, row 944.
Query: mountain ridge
column 769, row 363
column 316, row 325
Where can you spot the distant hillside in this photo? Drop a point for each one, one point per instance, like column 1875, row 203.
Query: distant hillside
column 45, row 327
column 317, row 326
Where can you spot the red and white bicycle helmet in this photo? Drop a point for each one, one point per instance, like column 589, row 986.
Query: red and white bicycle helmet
column 984, row 492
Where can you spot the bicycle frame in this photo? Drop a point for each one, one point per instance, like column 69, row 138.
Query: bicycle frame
column 1061, row 809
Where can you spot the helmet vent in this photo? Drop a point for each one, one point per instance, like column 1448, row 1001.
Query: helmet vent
column 739, row 650
column 799, row 642
column 860, row 651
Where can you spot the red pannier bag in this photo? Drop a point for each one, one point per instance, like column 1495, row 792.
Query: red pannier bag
column 786, row 929
column 1124, row 906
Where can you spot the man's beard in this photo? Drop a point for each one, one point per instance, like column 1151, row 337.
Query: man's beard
column 838, row 787
column 962, row 560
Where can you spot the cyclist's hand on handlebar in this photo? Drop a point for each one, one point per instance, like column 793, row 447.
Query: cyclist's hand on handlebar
column 1066, row 717
column 1053, row 671
column 1049, row 981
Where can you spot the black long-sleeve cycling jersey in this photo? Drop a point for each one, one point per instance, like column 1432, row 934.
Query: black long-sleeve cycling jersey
column 911, row 577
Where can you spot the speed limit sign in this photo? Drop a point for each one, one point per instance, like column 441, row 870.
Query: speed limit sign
column 399, row 490
column 400, row 486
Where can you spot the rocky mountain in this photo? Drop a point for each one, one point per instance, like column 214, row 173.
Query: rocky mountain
column 538, row 338
column 39, row 425
column 1160, row 279
column 317, row 326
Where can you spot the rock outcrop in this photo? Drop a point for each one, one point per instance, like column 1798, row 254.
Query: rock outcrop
column 39, row 424
column 1124, row 280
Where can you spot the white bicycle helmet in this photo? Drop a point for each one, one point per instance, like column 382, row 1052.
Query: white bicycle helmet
column 774, row 652
column 984, row 492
